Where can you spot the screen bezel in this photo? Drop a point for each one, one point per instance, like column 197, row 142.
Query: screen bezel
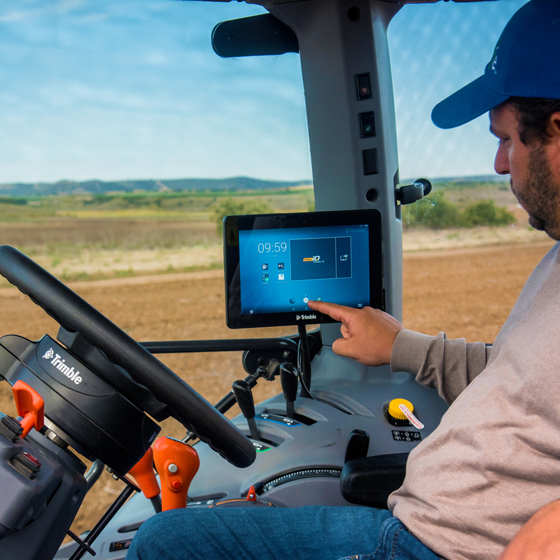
column 233, row 224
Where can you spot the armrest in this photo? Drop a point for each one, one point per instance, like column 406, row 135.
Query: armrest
column 369, row 481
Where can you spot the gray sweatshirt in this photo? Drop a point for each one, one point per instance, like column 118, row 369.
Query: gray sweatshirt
column 494, row 460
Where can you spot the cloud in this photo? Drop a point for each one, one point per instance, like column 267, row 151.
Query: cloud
column 157, row 58
column 20, row 15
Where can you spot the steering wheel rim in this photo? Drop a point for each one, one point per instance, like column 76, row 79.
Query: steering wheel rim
column 74, row 313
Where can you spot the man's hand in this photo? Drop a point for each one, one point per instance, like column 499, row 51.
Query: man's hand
column 368, row 334
column 539, row 538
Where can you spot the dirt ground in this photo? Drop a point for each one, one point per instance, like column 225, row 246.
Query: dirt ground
column 467, row 292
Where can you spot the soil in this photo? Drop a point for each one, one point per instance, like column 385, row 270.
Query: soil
column 467, row 292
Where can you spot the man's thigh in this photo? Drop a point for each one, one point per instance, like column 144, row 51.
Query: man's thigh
column 308, row 533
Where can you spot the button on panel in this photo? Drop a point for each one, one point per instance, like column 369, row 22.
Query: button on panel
column 120, row 545
column 367, row 125
column 370, row 161
column 403, row 435
column 363, row 83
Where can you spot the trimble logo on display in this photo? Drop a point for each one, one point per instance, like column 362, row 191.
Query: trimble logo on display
column 305, row 317
column 59, row 364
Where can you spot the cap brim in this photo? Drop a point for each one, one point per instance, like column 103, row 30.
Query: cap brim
column 464, row 105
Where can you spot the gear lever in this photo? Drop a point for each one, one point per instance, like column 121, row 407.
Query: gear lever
column 176, row 464
column 244, row 398
column 289, row 380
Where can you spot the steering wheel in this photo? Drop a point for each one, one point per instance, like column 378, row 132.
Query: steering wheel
column 74, row 313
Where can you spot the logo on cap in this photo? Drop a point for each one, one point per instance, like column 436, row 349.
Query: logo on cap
column 493, row 64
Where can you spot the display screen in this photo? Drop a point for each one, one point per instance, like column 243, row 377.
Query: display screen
column 276, row 263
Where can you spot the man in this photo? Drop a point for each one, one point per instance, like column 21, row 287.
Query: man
column 495, row 458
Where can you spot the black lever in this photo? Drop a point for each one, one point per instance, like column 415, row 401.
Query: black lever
column 411, row 193
column 289, row 380
column 244, row 398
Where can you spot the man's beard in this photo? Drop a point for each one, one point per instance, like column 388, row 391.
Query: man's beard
column 540, row 194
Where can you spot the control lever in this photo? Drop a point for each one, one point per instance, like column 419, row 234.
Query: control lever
column 143, row 473
column 176, row 463
column 411, row 193
column 244, row 398
column 289, row 381
column 30, row 407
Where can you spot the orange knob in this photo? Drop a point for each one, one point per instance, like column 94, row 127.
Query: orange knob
column 30, row 406
column 143, row 473
column 176, row 463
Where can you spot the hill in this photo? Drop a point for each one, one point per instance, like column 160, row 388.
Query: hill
column 146, row 185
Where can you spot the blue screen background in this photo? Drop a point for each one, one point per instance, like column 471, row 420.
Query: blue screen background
column 280, row 268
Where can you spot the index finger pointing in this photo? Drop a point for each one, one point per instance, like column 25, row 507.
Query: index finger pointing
column 333, row 310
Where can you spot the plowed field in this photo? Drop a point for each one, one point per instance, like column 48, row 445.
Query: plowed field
column 466, row 293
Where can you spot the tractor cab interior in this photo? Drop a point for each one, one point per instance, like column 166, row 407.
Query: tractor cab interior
column 335, row 435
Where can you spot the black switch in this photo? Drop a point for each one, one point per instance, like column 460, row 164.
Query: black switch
column 363, row 82
column 10, row 428
column 26, row 464
column 370, row 161
column 367, row 125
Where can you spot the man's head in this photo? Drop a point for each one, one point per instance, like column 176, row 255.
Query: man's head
column 521, row 89
column 529, row 151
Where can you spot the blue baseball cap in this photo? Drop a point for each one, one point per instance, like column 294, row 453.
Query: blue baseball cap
column 525, row 63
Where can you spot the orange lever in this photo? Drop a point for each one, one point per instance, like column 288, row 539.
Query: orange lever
column 251, row 495
column 30, row 406
column 143, row 473
column 177, row 463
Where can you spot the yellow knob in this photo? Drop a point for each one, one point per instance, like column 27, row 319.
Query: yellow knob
column 395, row 412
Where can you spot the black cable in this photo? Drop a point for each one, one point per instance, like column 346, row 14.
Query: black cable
column 304, row 362
column 305, row 392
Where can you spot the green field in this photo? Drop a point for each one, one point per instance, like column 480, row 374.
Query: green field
column 88, row 236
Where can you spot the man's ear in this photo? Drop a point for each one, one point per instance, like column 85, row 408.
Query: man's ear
column 552, row 143
column 553, row 127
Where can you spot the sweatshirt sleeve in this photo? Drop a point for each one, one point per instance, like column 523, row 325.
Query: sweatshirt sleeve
column 442, row 364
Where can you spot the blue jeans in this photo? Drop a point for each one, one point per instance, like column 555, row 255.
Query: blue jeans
column 307, row 533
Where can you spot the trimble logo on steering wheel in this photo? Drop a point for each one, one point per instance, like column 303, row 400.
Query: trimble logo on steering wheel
column 59, row 364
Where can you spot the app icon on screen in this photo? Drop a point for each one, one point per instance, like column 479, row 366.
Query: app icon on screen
column 280, row 266
column 265, row 266
column 265, row 277
column 280, row 277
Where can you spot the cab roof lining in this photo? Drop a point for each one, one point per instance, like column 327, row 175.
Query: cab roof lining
column 401, row 2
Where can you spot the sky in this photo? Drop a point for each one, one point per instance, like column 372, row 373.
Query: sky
column 131, row 89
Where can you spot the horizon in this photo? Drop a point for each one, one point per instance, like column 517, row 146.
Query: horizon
column 436, row 180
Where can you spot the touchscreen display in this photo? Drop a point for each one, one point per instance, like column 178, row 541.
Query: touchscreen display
column 276, row 263
column 282, row 269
